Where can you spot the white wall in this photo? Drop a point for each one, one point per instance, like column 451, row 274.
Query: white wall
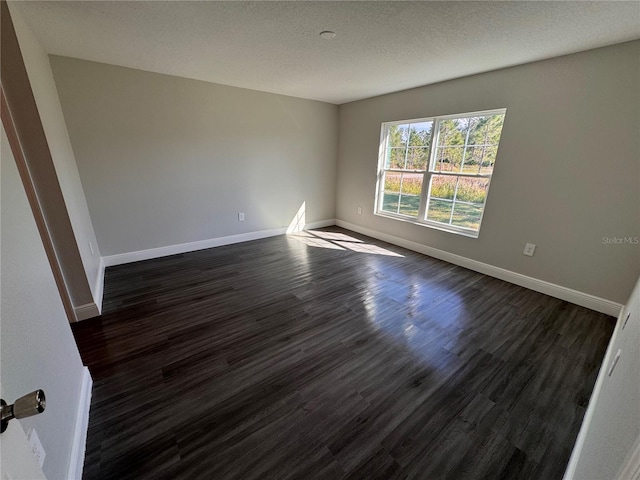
column 166, row 160
column 567, row 173
column 612, row 422
column 37, row 349
column 46, row 97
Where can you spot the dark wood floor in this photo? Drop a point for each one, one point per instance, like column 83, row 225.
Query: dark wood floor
column 331, row 356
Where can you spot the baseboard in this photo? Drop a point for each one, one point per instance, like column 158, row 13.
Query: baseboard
column 320, row 224
column 129, row 257
column 563, row 293
column 88, row 310
column 99, row 286
column 76, row 460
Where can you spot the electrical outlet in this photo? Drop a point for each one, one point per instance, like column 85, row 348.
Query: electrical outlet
column 241, row 217
column 36, row 446
column 529, row 249
column 359, row 210
column 91, row 248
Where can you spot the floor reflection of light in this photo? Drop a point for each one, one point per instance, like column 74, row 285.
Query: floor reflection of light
column 335, row 236
column 334, row 240
column 413, row 299
column 423, row 317
column 316, row 242
column 368, row 248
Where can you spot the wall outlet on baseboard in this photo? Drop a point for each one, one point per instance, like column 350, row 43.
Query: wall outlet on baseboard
column 241, row 216
column 529, row 249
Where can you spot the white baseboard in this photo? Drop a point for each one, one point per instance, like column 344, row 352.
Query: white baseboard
column 563, row 293
column 88, row 310
column 130, row 257
column 99, row 286
column 76, row 460
column 320, row 224
column 93, row 309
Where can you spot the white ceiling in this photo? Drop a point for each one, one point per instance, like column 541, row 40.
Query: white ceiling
column 380, row 46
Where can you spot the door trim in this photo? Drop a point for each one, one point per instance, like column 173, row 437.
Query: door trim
column 27, row 182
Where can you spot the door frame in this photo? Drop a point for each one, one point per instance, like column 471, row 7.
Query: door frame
column 27, row 182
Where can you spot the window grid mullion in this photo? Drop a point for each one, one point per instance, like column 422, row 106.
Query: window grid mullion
column 426, row 179
column 406, row 147
column 466, row 142
column 424, row 194
column 455, row 195
column 400, row 192
column 484, row 147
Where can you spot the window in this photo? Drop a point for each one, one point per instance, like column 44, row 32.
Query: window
column 436, row 171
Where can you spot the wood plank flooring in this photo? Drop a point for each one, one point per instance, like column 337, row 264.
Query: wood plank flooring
column 331, row 355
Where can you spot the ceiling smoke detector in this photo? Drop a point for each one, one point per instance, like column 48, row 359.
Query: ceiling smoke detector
column 328, row 34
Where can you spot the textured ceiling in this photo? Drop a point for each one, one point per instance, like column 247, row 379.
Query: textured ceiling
column 380, row 46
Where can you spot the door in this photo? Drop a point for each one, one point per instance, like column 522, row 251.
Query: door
column 17, row 462
column 28, row 299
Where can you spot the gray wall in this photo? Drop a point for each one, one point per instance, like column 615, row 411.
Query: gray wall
column 166, row 160
column 567, row 172
column 37, row 349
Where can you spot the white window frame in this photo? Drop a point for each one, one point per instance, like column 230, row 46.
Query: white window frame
column 428, row 173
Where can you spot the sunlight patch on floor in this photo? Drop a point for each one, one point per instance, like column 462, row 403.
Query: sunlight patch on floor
column 368, row 248
column 336, row 236
column 315, row 242
column 339, row 241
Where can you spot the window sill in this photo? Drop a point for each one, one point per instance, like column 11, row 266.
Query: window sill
column 426, row 223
